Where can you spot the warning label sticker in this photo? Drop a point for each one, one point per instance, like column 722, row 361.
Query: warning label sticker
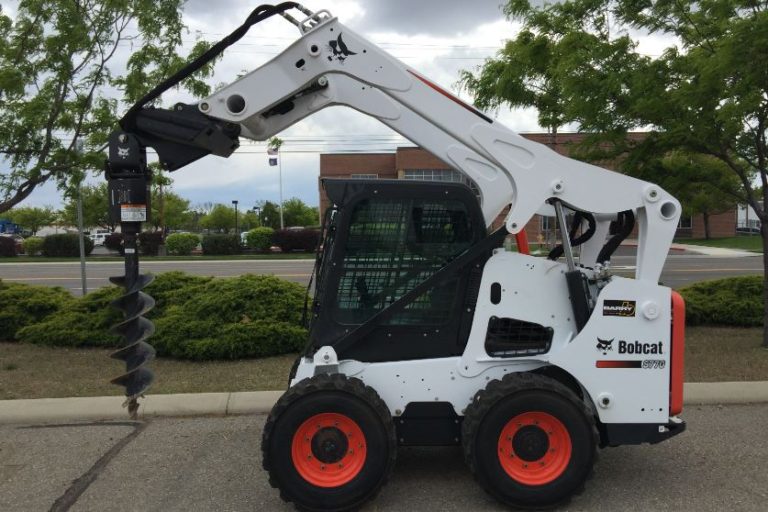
column 133, row 212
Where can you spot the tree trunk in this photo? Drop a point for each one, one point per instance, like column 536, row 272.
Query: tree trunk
column 764, row 233
column 705, row 216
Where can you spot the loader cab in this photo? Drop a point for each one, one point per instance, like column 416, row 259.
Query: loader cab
column 384, row 238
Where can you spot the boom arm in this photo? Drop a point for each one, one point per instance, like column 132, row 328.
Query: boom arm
column 332, row 65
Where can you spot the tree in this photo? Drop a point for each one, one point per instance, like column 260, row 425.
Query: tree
column 176, row 213
column 56, row 83
column 32, row 218
column 701, row 183
column 706, row 94
column 521, row 76
column 220, row 218
column 270, row 215
column 169, row 210
column 95, row 207
column 296, row 213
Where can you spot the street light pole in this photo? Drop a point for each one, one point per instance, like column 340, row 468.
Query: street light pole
column 81, row 236
column 237, row 232
column 280, row 171
column 257, row 211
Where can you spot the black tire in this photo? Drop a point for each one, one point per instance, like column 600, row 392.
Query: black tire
column 323, row 394
column 535, row 396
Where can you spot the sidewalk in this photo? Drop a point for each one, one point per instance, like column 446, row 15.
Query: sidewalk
column 703, row 250
column 717, row 252
column 46, row 410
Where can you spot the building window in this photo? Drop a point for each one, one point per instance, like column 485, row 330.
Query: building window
column 686, row 222
column 364, row 176
column 440, row 175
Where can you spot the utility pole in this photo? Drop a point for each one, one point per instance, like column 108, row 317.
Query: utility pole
column 273, row 150
column 280, row 172
column 234, row 202
column 79, row 149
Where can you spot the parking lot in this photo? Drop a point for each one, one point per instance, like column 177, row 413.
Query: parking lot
column 205, row 464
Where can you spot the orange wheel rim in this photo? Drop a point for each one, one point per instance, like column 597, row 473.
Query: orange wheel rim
column 534, row 448
column 328, row 450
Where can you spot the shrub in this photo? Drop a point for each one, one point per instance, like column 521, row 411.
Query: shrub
column 260, row 239
column 33, row 245
column 735, row 301
column 85, row 321
column 247, row 316
column 114, row 242
column 196, row 317
column 304, row 240
column 65, row 245
column 149, row 242
column 7, row 246
column 219, row 245
column 22, row 305
column 181, row 244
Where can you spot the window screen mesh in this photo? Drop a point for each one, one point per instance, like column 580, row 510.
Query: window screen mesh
column 393, row 246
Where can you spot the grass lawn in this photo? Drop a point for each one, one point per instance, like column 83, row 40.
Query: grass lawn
column 746, row 242
column 31, row 371
column 28, row 371
column 119, row 259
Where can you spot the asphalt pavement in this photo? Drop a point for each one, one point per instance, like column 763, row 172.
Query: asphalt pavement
column 679, row 270
column 204, row 464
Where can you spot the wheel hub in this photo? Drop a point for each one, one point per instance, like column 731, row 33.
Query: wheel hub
column 329, row 445
column 530, row 443
column 328, row 449
column 534, row 448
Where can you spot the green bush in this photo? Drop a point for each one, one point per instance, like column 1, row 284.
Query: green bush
column 149, row 242
column 7, row 246
column 196, row 317
column 260, row 239
column 220, row 245
column 247, row 316
column 33, row 245
column 114, row 242
column 22, row 305
column 735, row 301
column 65, row 245
column 304, row 240
column 181, row 244
column 85, row 322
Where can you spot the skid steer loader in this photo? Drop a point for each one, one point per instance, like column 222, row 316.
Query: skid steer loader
column 423, row 330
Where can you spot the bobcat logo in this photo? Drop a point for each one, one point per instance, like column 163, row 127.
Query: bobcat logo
column 605, row 345
column 339, row 49
column 123, row 152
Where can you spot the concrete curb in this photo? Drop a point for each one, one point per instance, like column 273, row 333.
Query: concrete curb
column 99, row 408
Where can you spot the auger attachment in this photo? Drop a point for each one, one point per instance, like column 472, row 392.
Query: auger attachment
column 129, row 181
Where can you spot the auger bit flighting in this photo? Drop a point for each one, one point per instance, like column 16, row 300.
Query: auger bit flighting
column 129, row 180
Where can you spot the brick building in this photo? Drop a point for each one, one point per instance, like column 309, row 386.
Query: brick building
column 413, row 163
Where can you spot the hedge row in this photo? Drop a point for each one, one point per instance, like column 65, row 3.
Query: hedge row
column 304, row 240
column 7, row 246
column 181, row 244
column 197, row 318
column 65, row 245
column 735, row 301
column 221, row 245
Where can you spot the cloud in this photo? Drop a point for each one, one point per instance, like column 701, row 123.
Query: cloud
column 433, row 17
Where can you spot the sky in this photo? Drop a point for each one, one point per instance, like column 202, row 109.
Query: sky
column 438, row 38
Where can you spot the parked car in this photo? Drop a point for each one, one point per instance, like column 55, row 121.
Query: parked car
column 98, row 238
